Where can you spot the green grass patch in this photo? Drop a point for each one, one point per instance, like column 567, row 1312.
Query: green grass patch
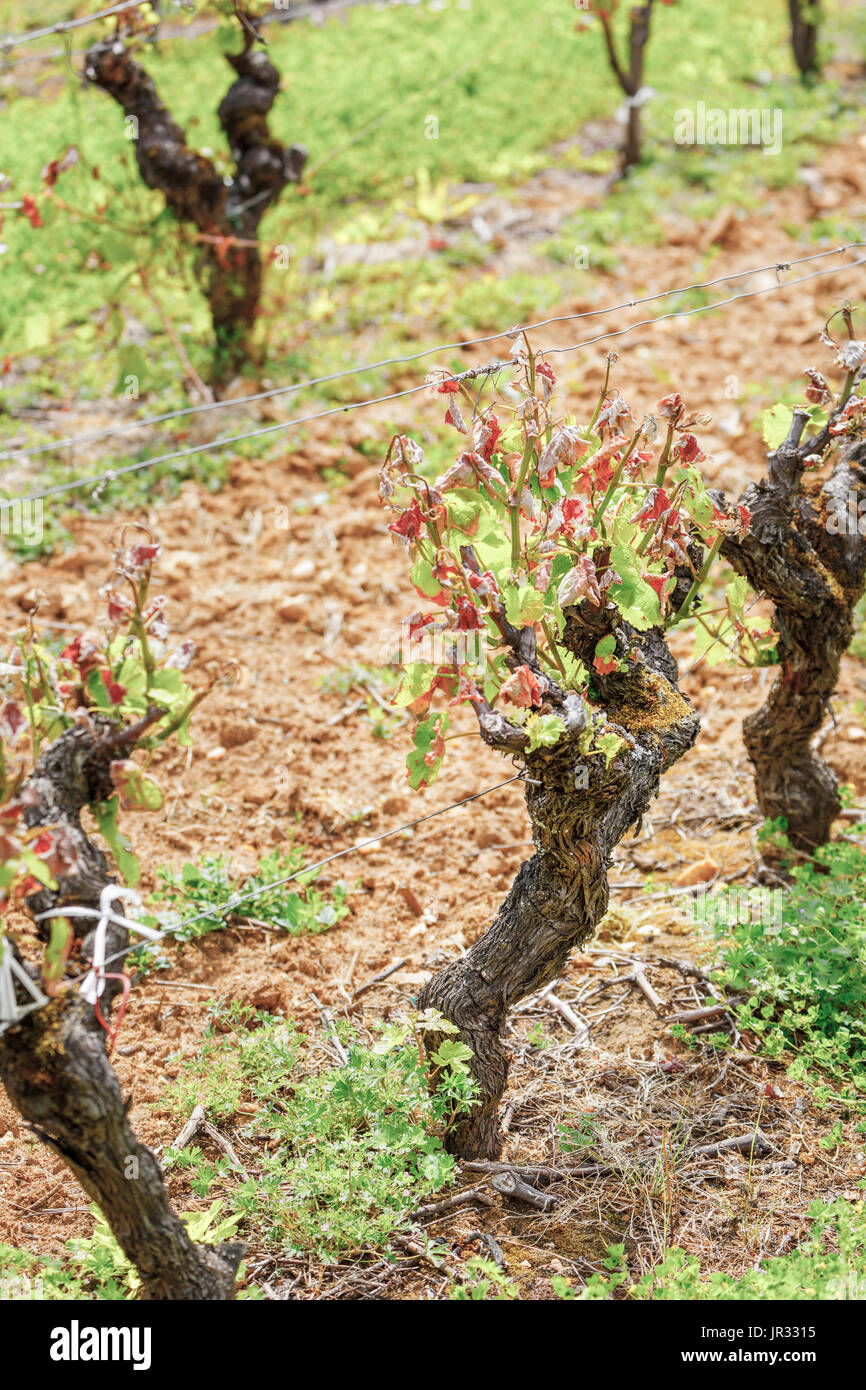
column 830, row 1264
column 500, row 96
column 207, row 891
column 796, row 959
column 343, row 1155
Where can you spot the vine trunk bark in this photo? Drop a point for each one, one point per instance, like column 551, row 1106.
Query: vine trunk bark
column 805, row 551
column 226, row 211
column 54, row 1063
column 804, row 35
column 580, row 808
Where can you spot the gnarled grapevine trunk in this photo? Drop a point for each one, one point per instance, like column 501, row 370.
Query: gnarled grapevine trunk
column 227, row 212
column 580, row 808
column 804, row 550
column 805, row 19
column 630, row 78
column 54, row 1063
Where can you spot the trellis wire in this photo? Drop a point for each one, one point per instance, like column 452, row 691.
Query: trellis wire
column 474, row 372
column 318, row 12
column 254, row 893
column 101, row 480
column 55, row 446
column 64, row 25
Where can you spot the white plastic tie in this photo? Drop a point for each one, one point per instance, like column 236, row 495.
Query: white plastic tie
column 93, row 983
column 11, row 1011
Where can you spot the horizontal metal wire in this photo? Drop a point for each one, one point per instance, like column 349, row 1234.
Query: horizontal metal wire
column 100, row 480
column 63, row 26
column 253, row 894
column 145, row 422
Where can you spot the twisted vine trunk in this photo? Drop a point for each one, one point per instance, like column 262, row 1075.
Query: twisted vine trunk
column 805, row 551
column 804, row 35
column 54, row 1063
column 579, row 809
column 226, row 212
column 630, row 78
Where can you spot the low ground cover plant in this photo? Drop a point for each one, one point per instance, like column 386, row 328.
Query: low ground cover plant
column 206, row 890
column 830, row 1263
column 799, row 970
column 344, row 1154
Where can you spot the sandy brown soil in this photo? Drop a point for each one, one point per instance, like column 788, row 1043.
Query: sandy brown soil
column 279, row 756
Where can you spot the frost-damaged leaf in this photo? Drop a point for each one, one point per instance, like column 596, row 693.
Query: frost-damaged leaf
column 566, row 447
column 581, row 582
column 470, row 470
column 409, row 523
column 106, row 818
column 521, row 689
column 85, row 652
column 58, row 850
column 425, row 760
column 138, row 557
column 454, row 417
column 103, row 689
column 13, row 721
column 181, row 657
column 486, row 430
column 136, row 791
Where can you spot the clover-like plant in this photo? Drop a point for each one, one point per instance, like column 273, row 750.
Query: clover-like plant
column 69, row 726
column 552, row 557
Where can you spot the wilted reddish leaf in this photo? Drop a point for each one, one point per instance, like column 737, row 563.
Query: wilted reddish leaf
column 138, row 556
column 566, row 448
column 485, row 435
column 58, row 850
column 688, row 450
column 13, row 721
column 670, row 407
column 182, row 655
column 31, row 211
column 113, row 688
column 581, row 582
column 85, row 652
column 409, row 523
column 521, row 689
column 655, row 505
